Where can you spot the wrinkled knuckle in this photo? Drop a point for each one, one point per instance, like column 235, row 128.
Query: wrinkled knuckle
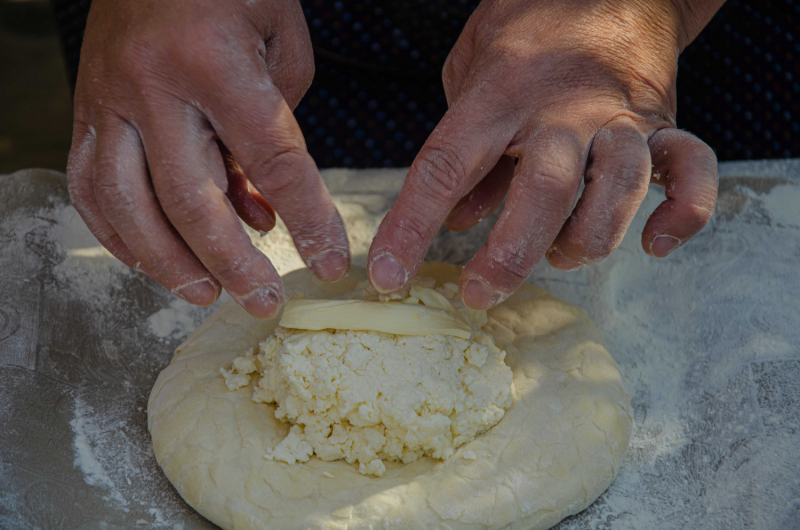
column 551, row 193
column 631, row 180
column 277, row 172
column 413, row 229
column 513, row 262
column 442, row 173
column 112, row 195
column 620, row 133
column 181, row 198
column 598, row 246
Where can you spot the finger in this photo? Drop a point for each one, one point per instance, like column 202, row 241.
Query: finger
column 687, row 168
column 183, row 158
column 457, row 155
column 126, row 198
column 485, row 197
column 280, row 168
column 542, row 195
column 617, row 176
column 80, row 175
column 250, row 205
column 287, row 51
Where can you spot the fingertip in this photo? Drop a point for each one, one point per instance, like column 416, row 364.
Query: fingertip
column 330, row 265
column 203, row 292
column 264, row 302
column 559, row 261
column 479, row 295
column 387, row 274
column 662, row 245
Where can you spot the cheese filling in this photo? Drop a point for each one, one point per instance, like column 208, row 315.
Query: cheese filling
column 360, row 393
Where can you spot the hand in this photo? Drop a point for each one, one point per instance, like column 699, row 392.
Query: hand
column 573, row 90
column 175, row 103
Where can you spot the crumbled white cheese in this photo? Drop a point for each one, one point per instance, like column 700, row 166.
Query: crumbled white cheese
column 237, row 376
column 375, row 467
column 366, row 396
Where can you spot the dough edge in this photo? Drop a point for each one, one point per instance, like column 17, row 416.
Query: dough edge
column 556, row 450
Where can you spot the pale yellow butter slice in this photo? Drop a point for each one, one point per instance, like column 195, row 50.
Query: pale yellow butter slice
column 431, row 298
column 361, row 315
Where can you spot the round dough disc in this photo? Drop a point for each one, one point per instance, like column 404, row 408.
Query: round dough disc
column 555, row 451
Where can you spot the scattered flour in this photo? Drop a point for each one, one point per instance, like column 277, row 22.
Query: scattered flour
column 93, row 472
column 173, row 322
column 88, row 269
column 707, row 339
column 783, row 204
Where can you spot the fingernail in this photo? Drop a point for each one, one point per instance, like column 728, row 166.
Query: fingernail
column 478, row 295
column 387, row 274
column 664, row 244
column 559, row 261
column 329, row 265
column 200, row 292
column 261, row 303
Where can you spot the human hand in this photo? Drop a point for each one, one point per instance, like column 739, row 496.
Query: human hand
column 175, row 103
column 573, row 90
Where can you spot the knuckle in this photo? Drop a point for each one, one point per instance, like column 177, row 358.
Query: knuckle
column 277, row 173
column 512, row 261
column 631, row 179
column 112, row 195
column 412, row 227
column 550, row 193
column 442, row 172
column 181, row 199
column 598, row 246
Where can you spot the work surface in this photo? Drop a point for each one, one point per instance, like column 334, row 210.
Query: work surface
column 708, row 339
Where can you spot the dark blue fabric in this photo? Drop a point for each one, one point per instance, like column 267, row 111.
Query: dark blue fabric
column 377, row 93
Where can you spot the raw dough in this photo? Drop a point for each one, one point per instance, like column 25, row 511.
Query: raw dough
column 356, row 391
column 555, row 451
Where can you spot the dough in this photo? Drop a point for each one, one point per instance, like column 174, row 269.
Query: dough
column 369, row 396
column 555, row 451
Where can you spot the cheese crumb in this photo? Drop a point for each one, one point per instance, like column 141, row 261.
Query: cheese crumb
column 375, row 467
column 468, row 455
column 368, row 397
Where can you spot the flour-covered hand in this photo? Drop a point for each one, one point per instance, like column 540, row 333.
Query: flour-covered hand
column 573, row 90
column 182, row 121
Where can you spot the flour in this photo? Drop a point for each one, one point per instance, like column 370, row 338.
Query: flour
column 93, row 471
column 783, row 204
column 707, row 339
column 176, row 321
column 88, row 269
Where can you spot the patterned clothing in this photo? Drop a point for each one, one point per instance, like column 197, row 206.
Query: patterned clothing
column 378, row 93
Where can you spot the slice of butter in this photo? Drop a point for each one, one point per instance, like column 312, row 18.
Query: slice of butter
column 432, row 298
column 361, row 315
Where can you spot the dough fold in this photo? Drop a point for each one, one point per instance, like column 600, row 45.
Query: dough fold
column 554, row 452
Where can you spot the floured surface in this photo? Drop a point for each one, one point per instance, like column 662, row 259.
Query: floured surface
column 707, row 339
